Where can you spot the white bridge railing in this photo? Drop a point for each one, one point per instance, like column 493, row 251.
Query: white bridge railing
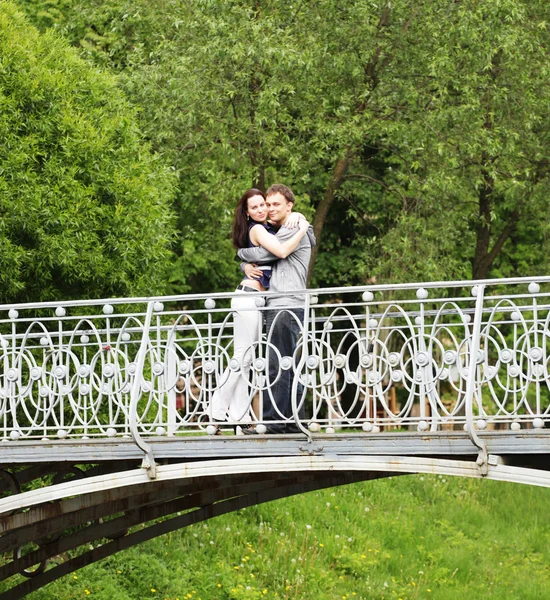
column 406, row 357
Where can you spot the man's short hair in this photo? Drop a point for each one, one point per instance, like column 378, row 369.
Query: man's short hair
column 284, row 190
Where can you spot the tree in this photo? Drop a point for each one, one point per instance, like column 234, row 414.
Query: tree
column 413, row 132
column 85, row 205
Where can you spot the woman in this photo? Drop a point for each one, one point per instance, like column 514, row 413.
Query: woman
column 250, row 228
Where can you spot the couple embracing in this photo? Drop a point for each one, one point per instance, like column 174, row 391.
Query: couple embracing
column 275, row 246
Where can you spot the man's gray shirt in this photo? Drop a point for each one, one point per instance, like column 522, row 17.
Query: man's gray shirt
column 289, row 274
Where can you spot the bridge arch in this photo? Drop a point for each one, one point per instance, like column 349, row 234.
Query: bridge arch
column 69, row 514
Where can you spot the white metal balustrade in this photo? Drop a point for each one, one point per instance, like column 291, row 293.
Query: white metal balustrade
column 410, row 357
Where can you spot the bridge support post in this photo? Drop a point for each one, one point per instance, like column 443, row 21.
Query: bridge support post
column 482, row 458
column 148, row 463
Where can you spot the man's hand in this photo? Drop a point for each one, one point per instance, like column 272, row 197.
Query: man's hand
column 293, row 220
column 252, row 271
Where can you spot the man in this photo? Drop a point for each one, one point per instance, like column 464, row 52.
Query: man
column 288, row 276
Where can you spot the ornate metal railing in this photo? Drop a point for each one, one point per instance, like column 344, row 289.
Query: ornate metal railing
column 403, row 357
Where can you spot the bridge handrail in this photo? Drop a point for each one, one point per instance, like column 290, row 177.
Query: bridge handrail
column 70, row 370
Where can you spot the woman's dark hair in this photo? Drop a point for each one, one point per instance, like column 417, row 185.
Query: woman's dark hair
column 239, row 233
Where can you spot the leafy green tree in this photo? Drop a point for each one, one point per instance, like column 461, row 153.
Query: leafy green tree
column 85, row 206
column 413, row 132
column 471, row 148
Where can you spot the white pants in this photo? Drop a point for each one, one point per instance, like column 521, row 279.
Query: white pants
column 230, row 400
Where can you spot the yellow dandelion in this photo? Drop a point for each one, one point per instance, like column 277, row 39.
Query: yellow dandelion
column 75, row 577
column 153, row 590
column 219, row 585
column 87, row 592
column 322, row 545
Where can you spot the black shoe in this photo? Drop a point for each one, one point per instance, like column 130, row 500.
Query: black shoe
column 250, row 430
column 270, row 429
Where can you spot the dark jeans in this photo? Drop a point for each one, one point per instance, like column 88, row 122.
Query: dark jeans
column 283, row 331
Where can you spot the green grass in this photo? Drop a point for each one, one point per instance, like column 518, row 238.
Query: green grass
column 405, row 537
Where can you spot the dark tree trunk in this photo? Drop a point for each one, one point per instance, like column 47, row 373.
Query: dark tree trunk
column 336, row 179
column 485, row 257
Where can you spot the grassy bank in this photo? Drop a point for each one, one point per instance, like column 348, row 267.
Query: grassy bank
column 406, row 537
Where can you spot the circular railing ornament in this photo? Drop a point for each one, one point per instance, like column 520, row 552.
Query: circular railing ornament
column 234, row 365
column 108, row 309
column 449, row 357
column 538, row 423
column 312, row 362
column 421, row 293
column 535, row 354
column 259, row 301
column 443, row 374
column 84, row 389
column 15, row 435
column 328, row 325
column 84, row 339
column 261, row 428
column 286, row 363
column 314, row 299
column 158, row 369
column 62, row 434
column 184, row 368
column 12, row 374
column 83, row 371
column 160, row 431
column 423, row 425
column 60, row 372
column 515, row 426
column 44, row 341
column 158, row 307
column 210, row 304
column 373, row 323
column 368, row 296
column 60, row 312
column 314, row 427
column 513, row 371
column 259, row 365
column 36, row 373
column 340, row 361
column 481, row 424
column 108, row 371
column 209, row 366
column 422, row 359
column 506, row 356
column 394, row 358
column 111, row 432
column 125, row 337
column 367, row 426
column 534, row 288
column 396, row 375
column 366, row 361
column 516, row 316
column 13, row 314
column 490, row 372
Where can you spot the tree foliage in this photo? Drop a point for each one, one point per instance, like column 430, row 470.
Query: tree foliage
column 413, row 132
column 85, row 205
